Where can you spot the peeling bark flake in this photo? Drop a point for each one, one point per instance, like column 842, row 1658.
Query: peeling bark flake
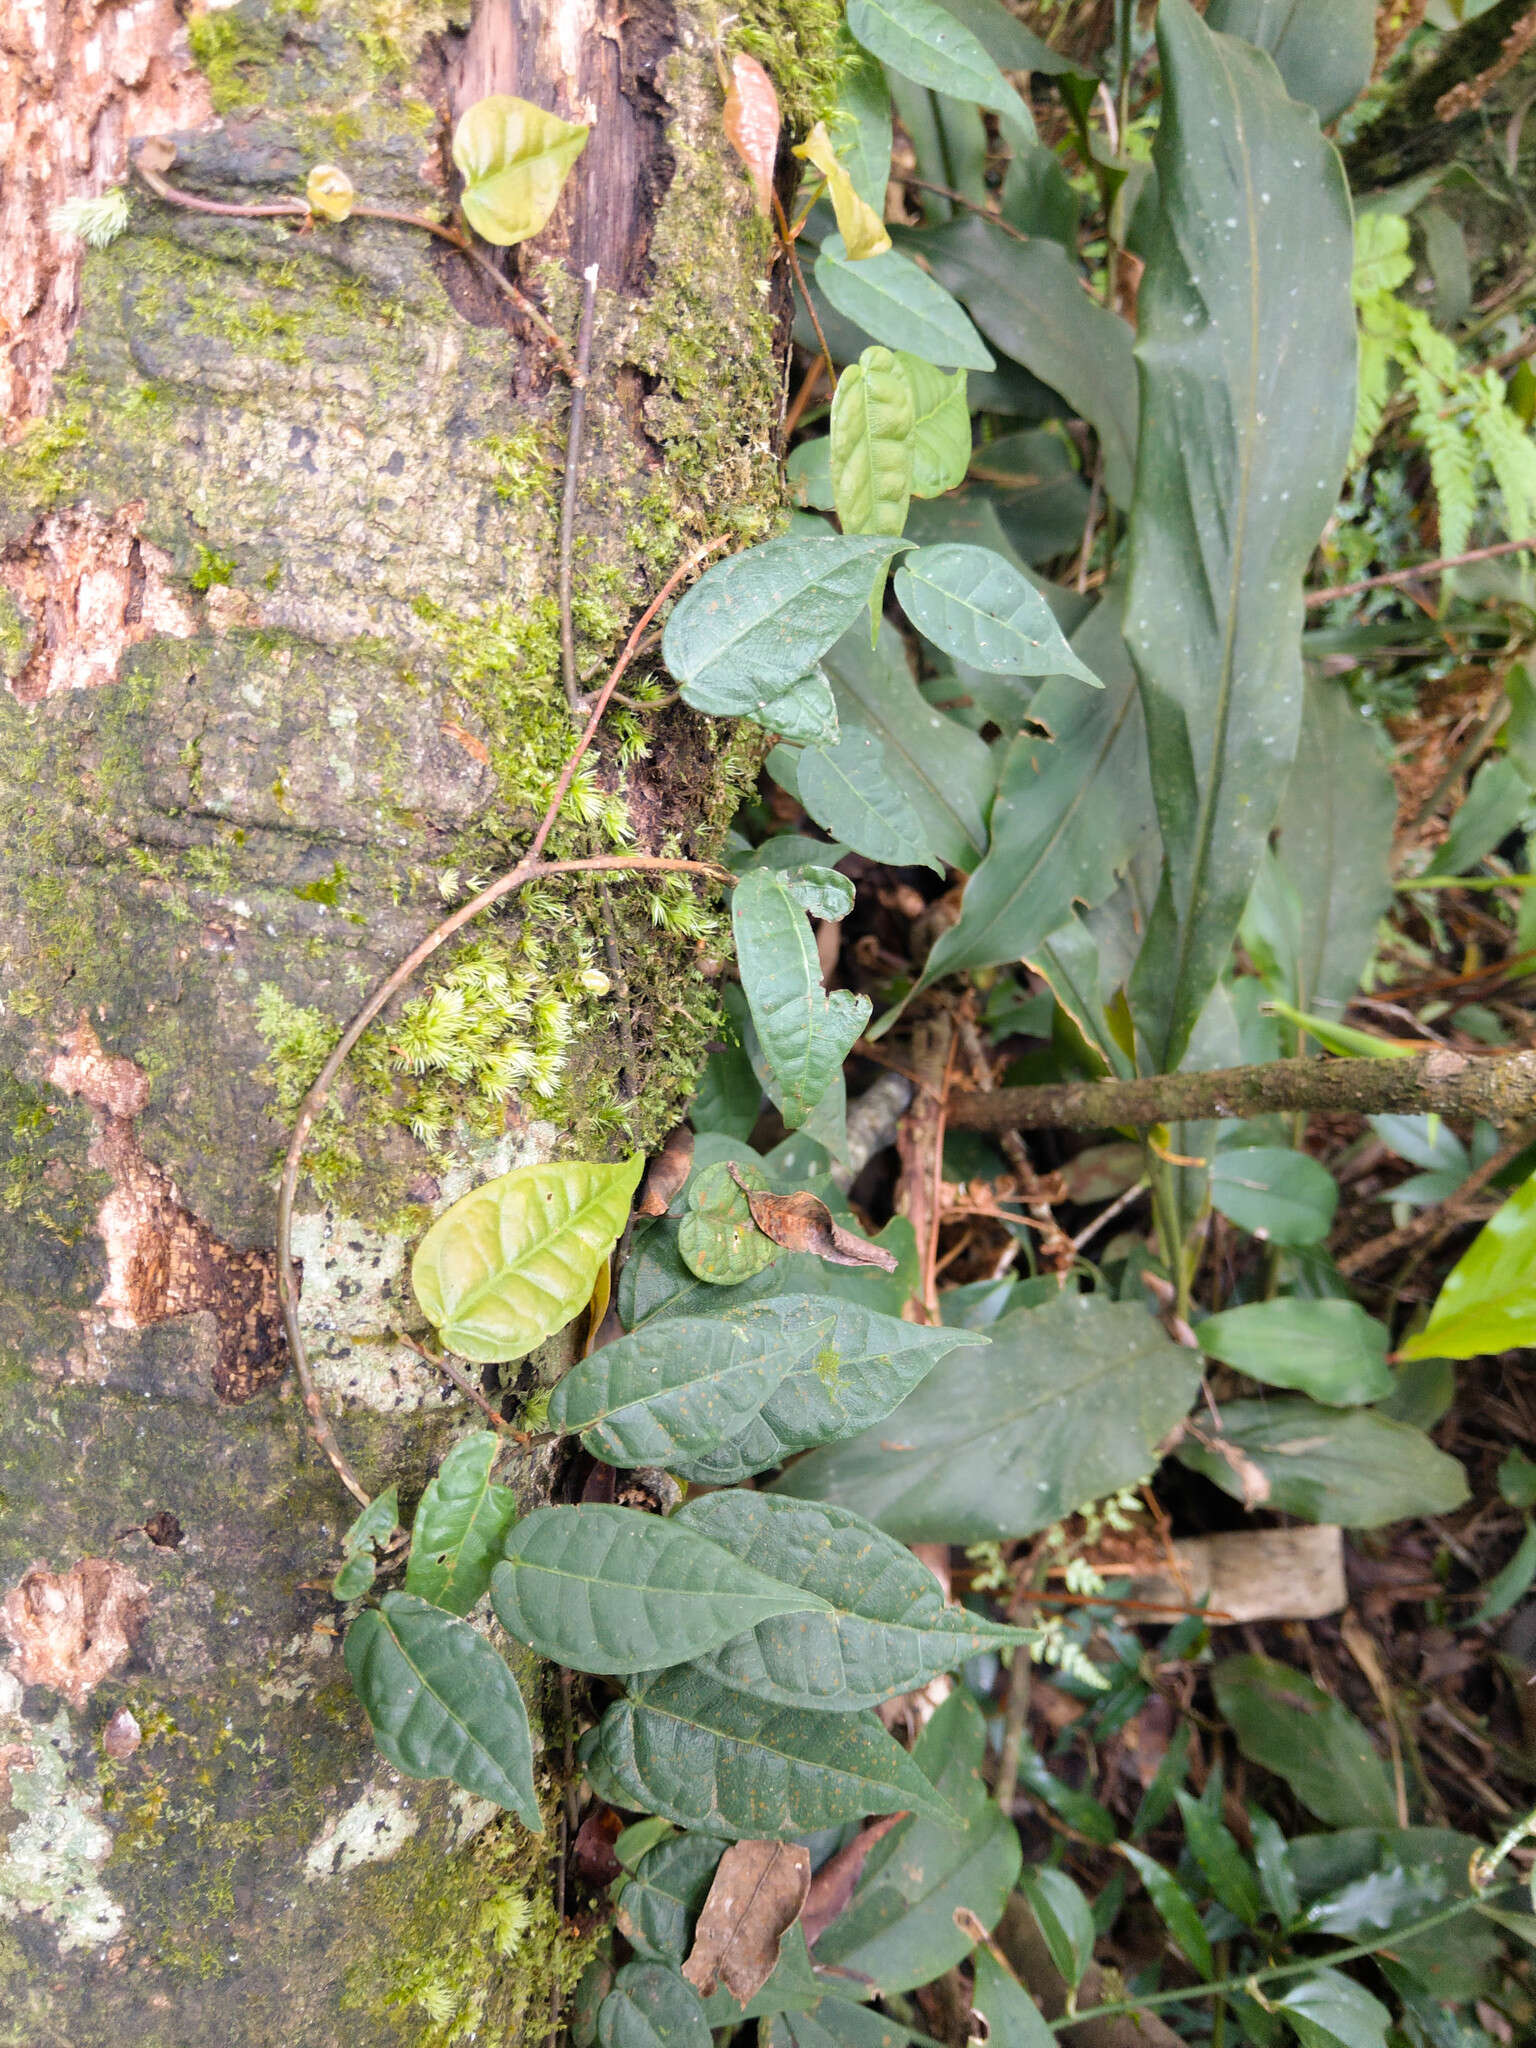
column 91, row 589
column 70, row 1630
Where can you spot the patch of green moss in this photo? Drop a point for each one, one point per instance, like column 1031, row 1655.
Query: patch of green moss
column 41, row 467
column 211, row 568
column 235, row 53
column 15, row 637
column 803, row 44
column 524, row 473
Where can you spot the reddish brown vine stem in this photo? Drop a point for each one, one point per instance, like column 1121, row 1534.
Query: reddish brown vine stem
column 530, row 868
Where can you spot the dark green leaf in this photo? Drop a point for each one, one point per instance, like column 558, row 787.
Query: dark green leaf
column 651, row 2006
column 1214, row 1848
column 887, row 1630
column 1293, row 1728
column 369, row 1532
column 1517, row 1479
column 513, row 1261
column 1063, row 1916
column 1487, row 1302
column 1510, row 1584
column 805, row 711
column 659, row 1904
column 1287, row 1197
column 1010, row 45
column 1067, row 1406
column 1331, row 1350
column 873, row 418
column 686, row 1748
column 717, row 1239
column 899, row 1929
column 1324, row 48
column 1353, row 1466
column 1079, row 1810
column 756, row 623
column 1364, row 1883
column 514, row 158
column 442, row 1703
column 927, row 44
column 849, row 791
column 1271, row 1856
column 822, row 892
column 728, row 1100
column 977, row 607
column 1330, row 2010
column 793, row 1986
column 1247, row 348
column 804, row 1033
column 834, row 2023
column 656, row 1281
column 457, row 1534
column 1012, row 2016
column 1175, row 1909
column 861, row 127
column 610, row 1589
column 896, row 303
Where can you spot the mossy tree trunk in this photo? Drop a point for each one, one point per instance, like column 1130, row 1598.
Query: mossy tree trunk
column 280, row 647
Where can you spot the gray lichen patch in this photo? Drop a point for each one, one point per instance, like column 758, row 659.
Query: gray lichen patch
column 51, row 1859
column 373, row 1829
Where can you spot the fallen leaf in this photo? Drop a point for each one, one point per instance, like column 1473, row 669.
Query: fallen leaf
column 121, row 1736
column 833, row 1885
column 592, row 1850
column 802, row 1222
column 755, row 1899
column 475, row 748
column 752, row 124
column 665, row 1175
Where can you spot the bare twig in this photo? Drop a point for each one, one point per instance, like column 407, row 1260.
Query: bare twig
column 1435, row 568
column 573, row 434
column 975, row 205
column 786, row 235
column 466, row 1386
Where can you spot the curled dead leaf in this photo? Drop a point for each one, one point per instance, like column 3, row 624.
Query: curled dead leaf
column 833, row 1885
column 752, row 123
column 156, row 155
column 121, row 1736
column 665, row 1175
column 802, row 1222
column 756, row 1897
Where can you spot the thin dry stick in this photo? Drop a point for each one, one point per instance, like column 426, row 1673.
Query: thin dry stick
column 787, row 236
column 1435, row 568
column 465, row 1385
column 529, row 868
column 975, row 205
column 573, row 434
column 803, row 396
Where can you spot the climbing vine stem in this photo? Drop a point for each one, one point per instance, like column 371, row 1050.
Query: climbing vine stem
column 532, row 867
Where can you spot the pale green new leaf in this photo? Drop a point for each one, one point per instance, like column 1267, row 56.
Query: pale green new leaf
column 513, row 1261
column 1354, row 1466
column 850, row 792
column 514, row 158
column 1331, row 1350
column 873, row 418
column 460, row 1522
column 685, row 1748
column 804, row 1033
column 896, row 303
column 1247, row 352
column 442, row 1703
column 609, row 1589
column 925, row 43
column 941, row 427
column 979, row 608
column 1488, row 1300
column 651, row 2006
column 886, row 1627
column 753, row 625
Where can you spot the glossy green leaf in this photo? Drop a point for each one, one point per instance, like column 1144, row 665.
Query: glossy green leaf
column 686, row 1748
column 886, row 1627
column 1331, row 1350
column 873, row 418
column 442, row 1703
column 898, row 1930
column 460, row 1522
column 945, row 773
column 1330, row 2010
column 662, row 1898
column 357, row 1574
column 1247, row 344
column 821, row 892
column 1324, row 49
column 1063, row 1916
column 805, row 711
column 977, row 607
column 1285, row 1722
column 369, row 1532
column 1495, row 805
column 1068, row 1405
column 941, row 426
column 896, row 303
column 1012, row 2016
column 513, row 1261
column 1227, row 1870
column 651, row 2006
column 610, row 1589
column 514, row 158
column 925, row 43
column 1488, row 1300
column 841, row 1380
column 850, row 792
column 1354, row 1466
column 717, row 1239
column 1175, row 1909
column 1287, row 1197
column 804, row 1032
column 1272, row 1861
column 753, row 625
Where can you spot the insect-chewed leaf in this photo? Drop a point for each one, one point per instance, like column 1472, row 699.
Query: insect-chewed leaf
column 849, row 791
column 925, row 43
column 751, row 121
column 514, row 1260
column 888, row 1628
column 329, row 192
column 456, row 1536
column 804, row 1033
column 442, row 1703
column 873, row 418
column 651, row 2006
column 984, row 612
column 802, row 1222
column 718, row 1239
column 862, row 229
column 753, row 625
column 609, row 1589
column 369, row 1532
column 514, row 158
column 685, row 1748
column 897, row 303
column 941, row 427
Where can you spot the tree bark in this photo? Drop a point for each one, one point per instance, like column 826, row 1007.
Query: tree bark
column 281, row 653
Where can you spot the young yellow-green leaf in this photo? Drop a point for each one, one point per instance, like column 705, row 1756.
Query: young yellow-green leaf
column 457, row 1534
column 849, row 791
column 514, row 158
column 513, row 1261
column 885, row 1626
column 941, row 426
column 804, row 1033
column 1331, row 1350
column 925, row 43
column 442, row 1703
column 609, row 1589
column 718, row 1240
column 873, row 418
column 862, row 229
column 687, row 1749
column 980, row 609
column 896, row 302
column 651, row 2006
column 329, row 192
column 1488, row 1301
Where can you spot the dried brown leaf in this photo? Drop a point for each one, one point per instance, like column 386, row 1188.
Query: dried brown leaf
column 833, row 1885
column 756, row 1898
column 666, row 1173
column 802, row 1222
column 752, row 124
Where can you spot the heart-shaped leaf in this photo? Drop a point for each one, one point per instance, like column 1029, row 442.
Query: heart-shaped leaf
column 885, row 1628
column 442, row 1703
column 457, row 1534
column 369, row 1532
column 718, row 1239
column 874, row 415
column 514, row 158
column 668, row 1886
column 513, row 1261
column 685, row 1748
column 986, row 613
column 610, row 1589
column 651, row 2006
column 804, row 1033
